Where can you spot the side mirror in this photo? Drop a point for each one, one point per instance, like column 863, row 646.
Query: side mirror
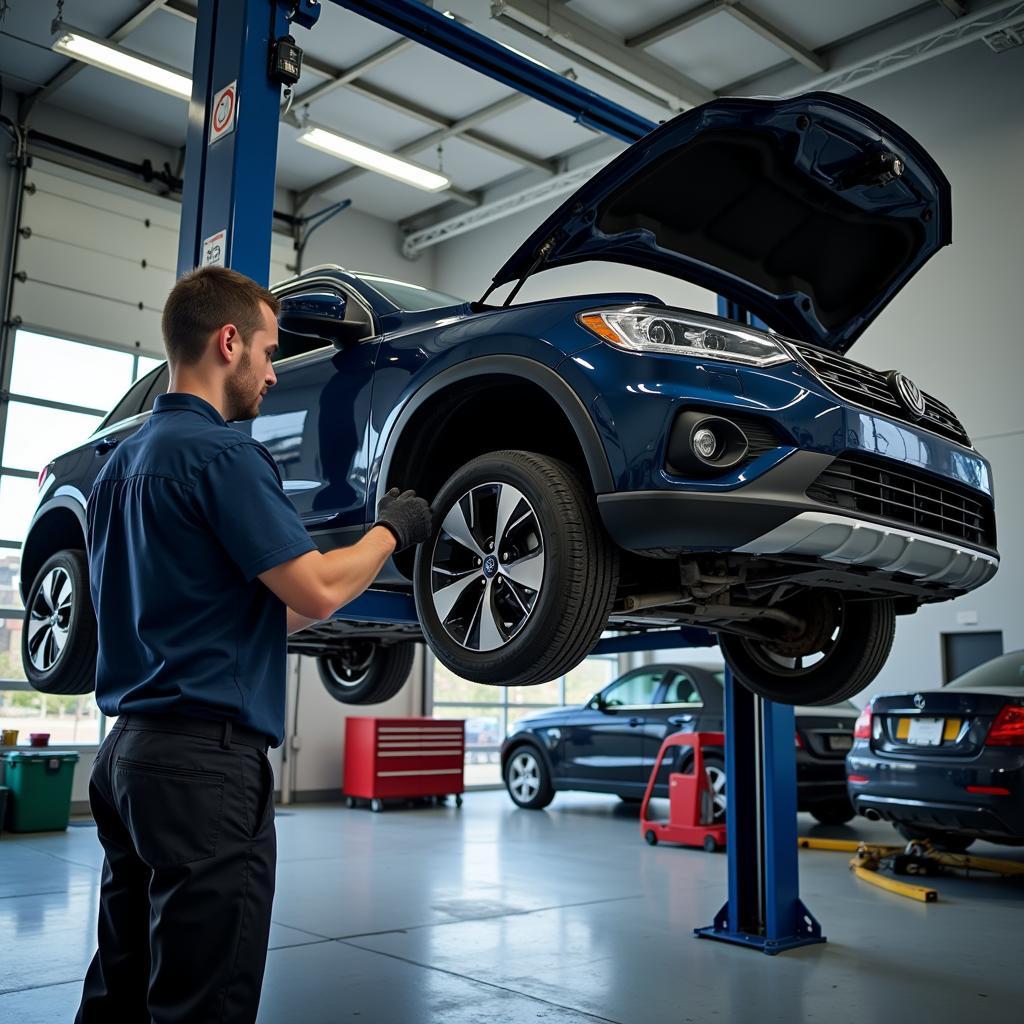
column 597, row 702
column 323, row 325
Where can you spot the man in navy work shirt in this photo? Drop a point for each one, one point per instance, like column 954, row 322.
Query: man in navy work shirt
column 199, row 567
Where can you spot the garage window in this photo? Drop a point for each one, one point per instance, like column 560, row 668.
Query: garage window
column 490, row 711
column 60, row 389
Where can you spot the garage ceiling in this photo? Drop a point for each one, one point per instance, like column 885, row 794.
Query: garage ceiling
column 656, row 57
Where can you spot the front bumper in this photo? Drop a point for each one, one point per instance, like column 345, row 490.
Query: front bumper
column 773, row 516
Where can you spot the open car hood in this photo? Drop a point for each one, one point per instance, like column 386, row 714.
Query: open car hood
column 811, row 212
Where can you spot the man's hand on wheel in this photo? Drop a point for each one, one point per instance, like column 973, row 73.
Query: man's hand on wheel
column 409, row 518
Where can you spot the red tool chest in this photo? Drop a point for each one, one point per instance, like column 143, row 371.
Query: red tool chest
column 398, row 758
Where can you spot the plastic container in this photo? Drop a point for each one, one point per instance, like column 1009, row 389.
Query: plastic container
column 3, row 807
column 38, row 739
column 39, row 784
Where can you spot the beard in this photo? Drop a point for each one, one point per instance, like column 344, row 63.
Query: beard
column 243, row 391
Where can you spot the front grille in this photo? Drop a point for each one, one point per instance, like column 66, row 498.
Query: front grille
column 867, row 387
column 904, row 496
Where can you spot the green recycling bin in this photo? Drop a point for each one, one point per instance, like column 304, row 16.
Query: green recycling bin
column 39, row 789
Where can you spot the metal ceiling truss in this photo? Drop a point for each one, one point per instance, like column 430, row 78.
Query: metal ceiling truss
column 915, row 51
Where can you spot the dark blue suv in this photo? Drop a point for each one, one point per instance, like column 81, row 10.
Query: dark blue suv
column 610, row 462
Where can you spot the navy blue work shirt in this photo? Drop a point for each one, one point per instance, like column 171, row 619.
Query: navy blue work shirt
column 183, row 517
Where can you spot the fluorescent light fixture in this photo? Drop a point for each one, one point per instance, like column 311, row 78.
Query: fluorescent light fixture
column 102, row 53
column 373, row 159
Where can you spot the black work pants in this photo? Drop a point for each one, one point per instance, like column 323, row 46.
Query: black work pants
column 185, row 814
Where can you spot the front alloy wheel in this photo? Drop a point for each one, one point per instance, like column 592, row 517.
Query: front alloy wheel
column 517, row 582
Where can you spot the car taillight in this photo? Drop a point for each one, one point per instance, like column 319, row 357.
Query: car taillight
column 862, row 730
column 43, row 474
column 1008, row 728
column 857, row 780
column 799, row 742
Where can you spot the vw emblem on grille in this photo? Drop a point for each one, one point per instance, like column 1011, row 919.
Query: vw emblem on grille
column 918, row 701
column 907, row 392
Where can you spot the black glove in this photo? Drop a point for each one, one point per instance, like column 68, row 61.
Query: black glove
column 409, row 518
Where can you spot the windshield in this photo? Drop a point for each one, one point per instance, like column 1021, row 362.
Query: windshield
column 410, row 297
column 1006, row 670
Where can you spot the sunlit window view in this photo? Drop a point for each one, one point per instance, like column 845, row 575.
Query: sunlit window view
column 60, row 390
column 490, row 711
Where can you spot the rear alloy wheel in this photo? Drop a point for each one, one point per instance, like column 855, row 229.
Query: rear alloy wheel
column 517, row 582
column 365, row 671
column 527, row 779
column 840, row 648
column 953, row 842
column 58, row 641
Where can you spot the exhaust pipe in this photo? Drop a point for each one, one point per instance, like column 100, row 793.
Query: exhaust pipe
column 871, row 814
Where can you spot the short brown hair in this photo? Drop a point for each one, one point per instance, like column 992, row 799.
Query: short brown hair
column 205, row 300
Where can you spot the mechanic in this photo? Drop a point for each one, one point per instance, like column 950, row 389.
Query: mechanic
column 199, row 566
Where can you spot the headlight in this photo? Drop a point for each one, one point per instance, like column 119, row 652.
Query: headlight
column 646, row 329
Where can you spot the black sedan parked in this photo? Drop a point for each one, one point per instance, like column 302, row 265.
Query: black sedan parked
column 946, row 764
column 610, row 744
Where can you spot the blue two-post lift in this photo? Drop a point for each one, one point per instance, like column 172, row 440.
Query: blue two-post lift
column 228, row 202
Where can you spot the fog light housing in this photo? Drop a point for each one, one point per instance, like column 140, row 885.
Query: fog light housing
column 702, row 444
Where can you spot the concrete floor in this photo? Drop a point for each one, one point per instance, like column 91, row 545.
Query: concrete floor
column 492, row 914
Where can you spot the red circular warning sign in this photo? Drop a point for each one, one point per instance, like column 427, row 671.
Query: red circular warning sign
column 224, row 111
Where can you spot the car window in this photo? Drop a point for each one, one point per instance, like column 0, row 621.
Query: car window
column 681, row 689
column 411, row 297
column 131, row 403
column 1006, row 670
column 158, row 387
column 633, row 691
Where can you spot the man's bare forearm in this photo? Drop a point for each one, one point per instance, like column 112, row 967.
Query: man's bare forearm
column 315, row 585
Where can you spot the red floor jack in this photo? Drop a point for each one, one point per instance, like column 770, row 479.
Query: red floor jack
column 690, row 803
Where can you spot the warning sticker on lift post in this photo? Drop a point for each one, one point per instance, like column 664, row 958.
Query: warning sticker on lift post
column 214, row 249
column 225, row 105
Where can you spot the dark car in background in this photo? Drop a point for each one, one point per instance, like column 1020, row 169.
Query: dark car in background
column 610, row 744
column 946, row 764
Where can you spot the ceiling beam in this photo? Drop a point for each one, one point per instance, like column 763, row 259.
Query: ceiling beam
column 578, row 37
column 767, row 30
column 435, row 138
column 73, row 66
column 656, row 33
column 957, row 9
column 352, row 73
column 740, row 13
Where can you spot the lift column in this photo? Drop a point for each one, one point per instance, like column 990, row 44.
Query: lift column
column 227, row 206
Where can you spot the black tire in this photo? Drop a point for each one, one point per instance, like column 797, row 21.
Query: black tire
column 651, row 837
column 562, row 617
column 71, row 669
column 834, row 814
column 851, row 640
column 953, row 842
column 632, row 801
column 365, row 671
column 527, row 779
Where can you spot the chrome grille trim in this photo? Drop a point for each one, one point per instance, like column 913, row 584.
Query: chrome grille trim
column 864, row 386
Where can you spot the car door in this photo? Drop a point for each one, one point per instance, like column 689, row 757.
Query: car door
column 603, row 748
column 314, row 421
column 678, row 708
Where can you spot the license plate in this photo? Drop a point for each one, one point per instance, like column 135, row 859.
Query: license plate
column 926, row 732
column 840, row 742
